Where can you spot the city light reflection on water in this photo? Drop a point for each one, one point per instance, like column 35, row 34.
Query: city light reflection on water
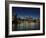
column 28, row 26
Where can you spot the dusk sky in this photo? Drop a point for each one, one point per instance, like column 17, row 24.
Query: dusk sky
column 23, row 11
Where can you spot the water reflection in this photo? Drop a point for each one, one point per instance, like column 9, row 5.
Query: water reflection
column 28, row 26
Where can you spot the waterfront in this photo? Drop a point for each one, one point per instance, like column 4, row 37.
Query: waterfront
column 24, row 18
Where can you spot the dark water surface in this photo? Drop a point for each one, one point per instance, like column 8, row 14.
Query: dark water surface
column 28, row 26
